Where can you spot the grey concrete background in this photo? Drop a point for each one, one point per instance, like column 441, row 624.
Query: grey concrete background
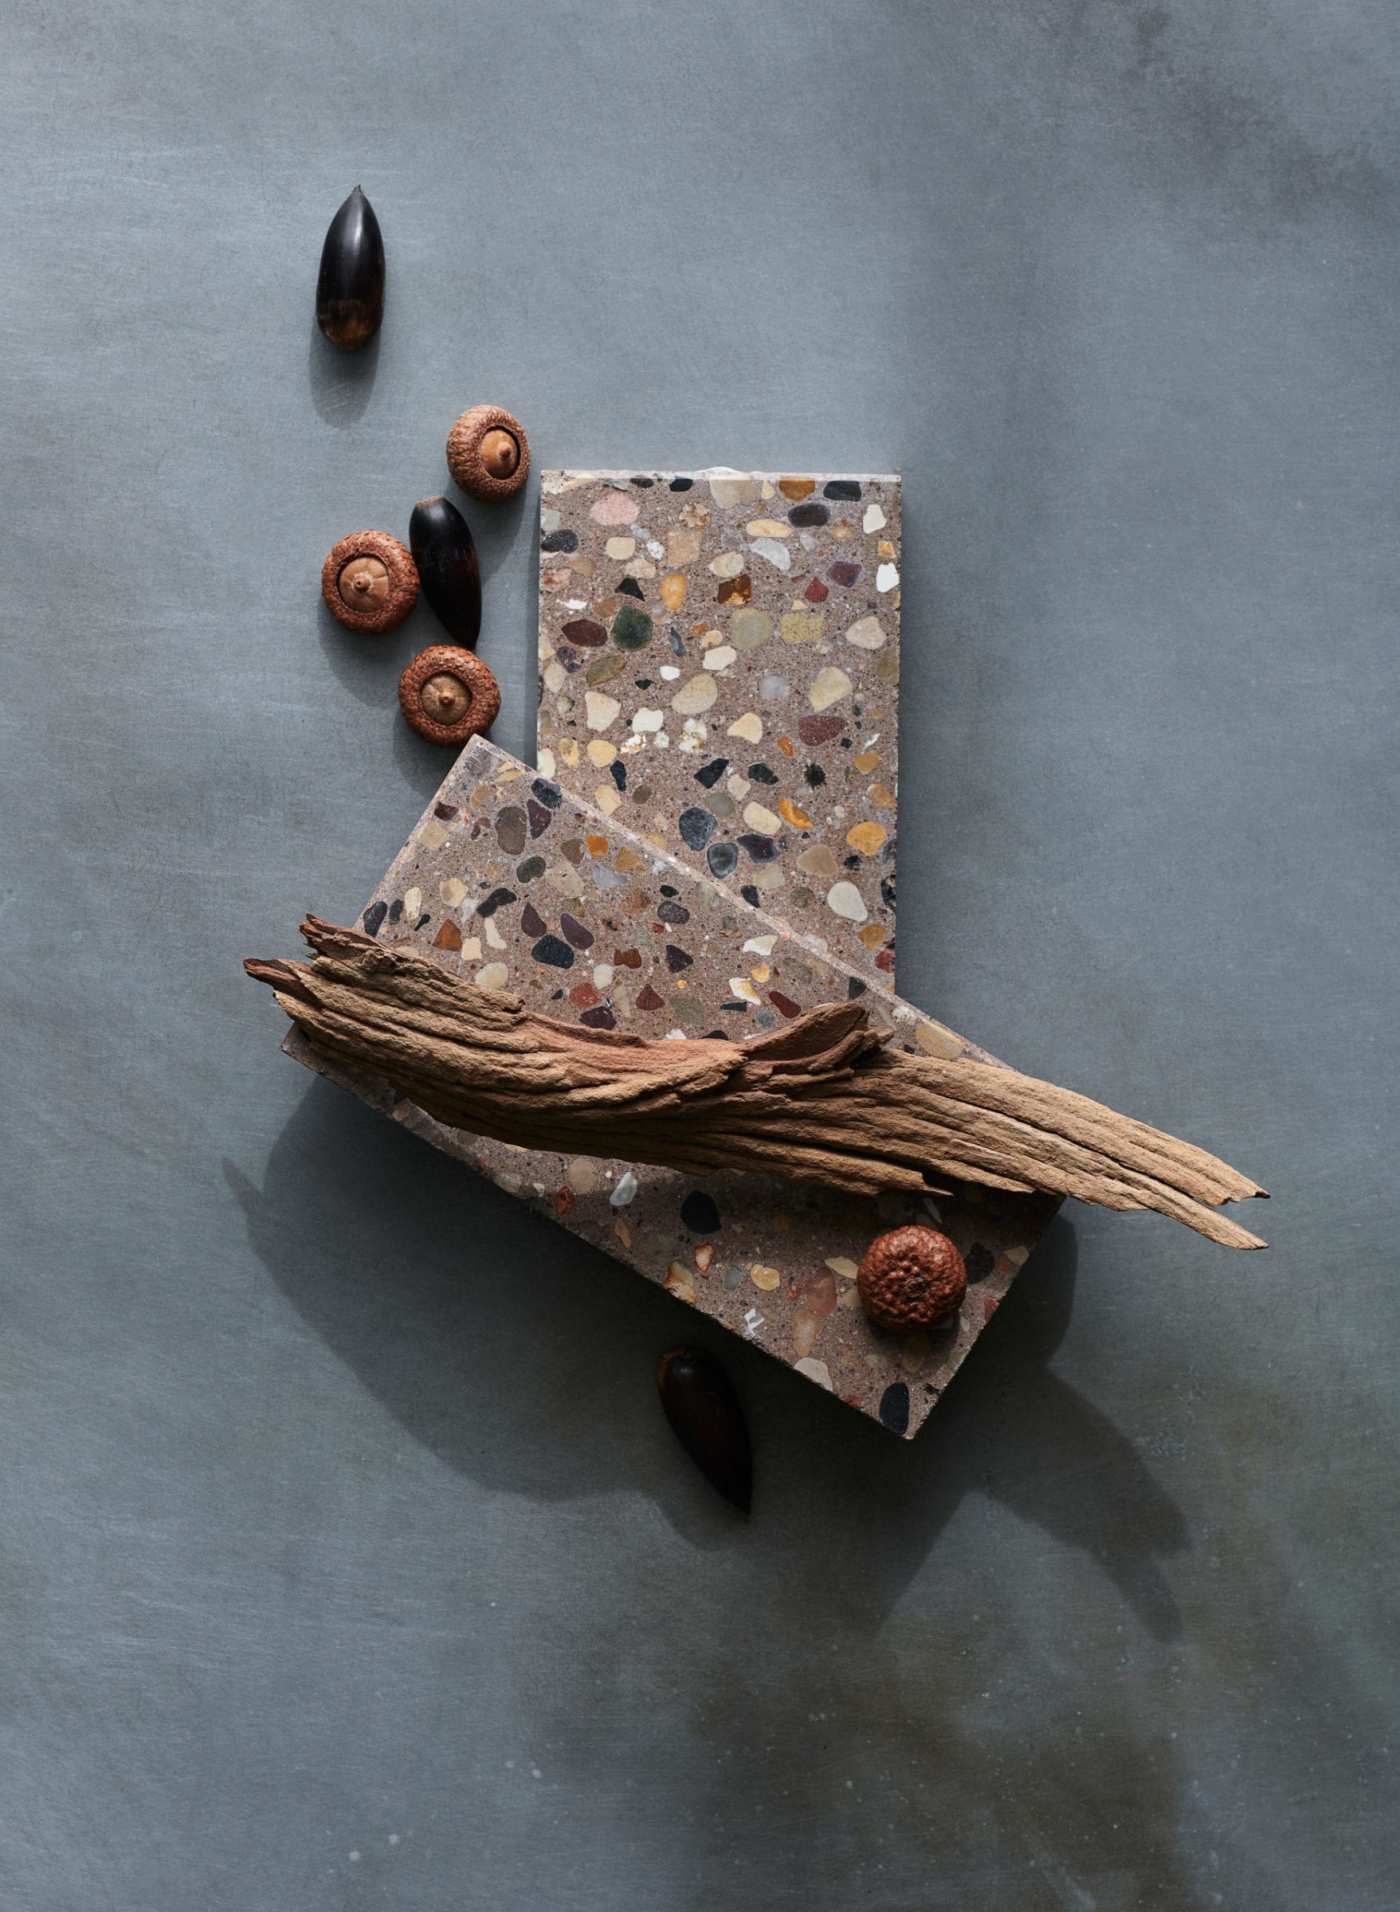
column 345, row 1560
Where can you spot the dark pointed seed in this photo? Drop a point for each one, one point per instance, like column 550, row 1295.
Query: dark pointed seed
column 350, row 286
column 705, row 1413
column 442, row 547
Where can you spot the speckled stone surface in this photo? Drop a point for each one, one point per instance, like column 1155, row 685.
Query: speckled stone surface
column 513, row 883
column 719, row 669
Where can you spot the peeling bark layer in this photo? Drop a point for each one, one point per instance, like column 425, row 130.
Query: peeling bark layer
column 825, row 1099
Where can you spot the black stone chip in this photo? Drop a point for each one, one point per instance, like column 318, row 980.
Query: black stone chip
column 696, row 827
column 699, row 1213
column 894, row 1407
column 490, row 904
column 980, row 1261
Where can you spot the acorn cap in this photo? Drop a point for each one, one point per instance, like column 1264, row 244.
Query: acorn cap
column 910, row 1278
column 488, row 453
column 369, row 581
column 449, row 695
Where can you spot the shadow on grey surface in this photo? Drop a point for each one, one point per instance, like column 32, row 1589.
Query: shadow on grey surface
column 495, row 526
column 513, row 1352
column 1012, row 1430
column 342, row 383
column 1007, row 1430
column 526, row 1359
column 369, row 664
column 834, row 1662
column 370, row 667
column 422, row 765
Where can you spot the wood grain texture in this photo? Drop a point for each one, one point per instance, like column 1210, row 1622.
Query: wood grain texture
column 826, row 1099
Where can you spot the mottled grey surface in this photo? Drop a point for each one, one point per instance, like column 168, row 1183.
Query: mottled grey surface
column 345, row 1559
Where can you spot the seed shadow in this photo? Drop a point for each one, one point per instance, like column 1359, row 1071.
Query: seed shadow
column 495, row 526
column 342, row 383
column 368, row 663
column 422, row 765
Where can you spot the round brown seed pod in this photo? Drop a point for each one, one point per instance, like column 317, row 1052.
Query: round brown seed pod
column 449, row 695
column 488, row 453
column 910, row 1278
column 369, row 581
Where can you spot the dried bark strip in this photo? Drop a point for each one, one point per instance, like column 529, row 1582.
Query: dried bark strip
column 822, row 1099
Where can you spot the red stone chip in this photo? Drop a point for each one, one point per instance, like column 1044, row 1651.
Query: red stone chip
column 449, row 695
column 910, row 1278
column 369, row 581
column 488, row 453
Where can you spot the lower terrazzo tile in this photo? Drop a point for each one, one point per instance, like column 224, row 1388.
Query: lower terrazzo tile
column 512, row 883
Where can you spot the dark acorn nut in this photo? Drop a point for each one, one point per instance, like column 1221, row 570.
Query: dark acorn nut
column 449, row 695
column 708, row 1420
column 911, row 1278
column 443, row 550
column 369, row 581
column 488, row 453
column 350, row 288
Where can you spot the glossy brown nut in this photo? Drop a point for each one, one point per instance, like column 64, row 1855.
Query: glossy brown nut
column 708, row 1420
column 449, row 695
column 350, row 287
column 911, row 1278
column 369, row 581
column 488, row 453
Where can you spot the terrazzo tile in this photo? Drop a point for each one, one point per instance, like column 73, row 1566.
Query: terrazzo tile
column 715, row 631
column 542, row 894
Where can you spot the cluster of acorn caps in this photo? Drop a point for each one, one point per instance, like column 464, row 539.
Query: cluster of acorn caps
column 910, row 1278
column 371, row 580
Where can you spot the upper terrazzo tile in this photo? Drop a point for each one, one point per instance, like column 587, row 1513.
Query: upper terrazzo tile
column 719, row 668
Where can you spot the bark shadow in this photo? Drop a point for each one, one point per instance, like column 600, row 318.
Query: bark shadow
column 527, row 1359
column 513, row 1351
